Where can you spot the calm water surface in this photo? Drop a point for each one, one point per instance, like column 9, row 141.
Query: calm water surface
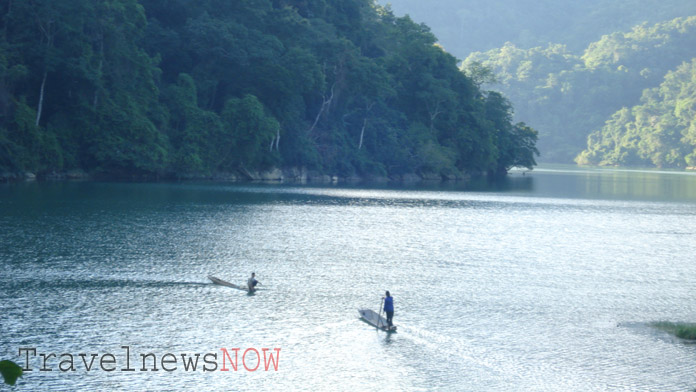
column 543, row 282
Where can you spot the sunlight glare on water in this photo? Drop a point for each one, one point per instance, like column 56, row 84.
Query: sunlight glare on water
column 547, row 282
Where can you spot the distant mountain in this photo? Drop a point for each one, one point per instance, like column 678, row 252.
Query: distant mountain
column 660, row 131
column 567, row 95
column 465, row 26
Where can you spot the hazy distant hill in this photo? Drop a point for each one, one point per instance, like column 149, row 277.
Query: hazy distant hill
column 660, row 131
column 464, row 26
column 567, row 95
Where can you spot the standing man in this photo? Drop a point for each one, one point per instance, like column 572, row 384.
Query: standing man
column 389, row 308
column 252, row 282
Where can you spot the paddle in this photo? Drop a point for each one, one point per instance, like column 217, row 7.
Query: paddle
column 379, row 315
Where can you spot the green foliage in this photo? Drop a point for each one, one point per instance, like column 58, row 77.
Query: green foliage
column 479, row 73
column 10, row 371
column 81, row 63
column 193, row 131
column 251, row 132
column 180, row 88
column 567, row 96
column 660, row 131
column 25, row 134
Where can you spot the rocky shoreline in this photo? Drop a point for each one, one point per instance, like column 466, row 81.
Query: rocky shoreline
column 273, row 175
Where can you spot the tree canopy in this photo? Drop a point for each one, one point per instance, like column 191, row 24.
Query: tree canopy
column 566, row 96
column 183, row 87
column 660, row 131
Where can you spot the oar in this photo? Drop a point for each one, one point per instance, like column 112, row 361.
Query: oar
column 379, row 315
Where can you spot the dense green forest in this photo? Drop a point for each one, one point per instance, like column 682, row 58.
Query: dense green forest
column 190, row 88
column 567, row 95
column 465, row 26
column 660, row 131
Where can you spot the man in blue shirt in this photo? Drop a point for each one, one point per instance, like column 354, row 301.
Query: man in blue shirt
column 252, row 282
column 389, row 308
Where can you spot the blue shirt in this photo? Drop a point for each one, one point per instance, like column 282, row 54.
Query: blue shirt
column 389, row 304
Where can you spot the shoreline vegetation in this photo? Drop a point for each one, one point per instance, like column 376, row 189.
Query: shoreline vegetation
column 686, row 331
column 294, row 175
column 272, row 175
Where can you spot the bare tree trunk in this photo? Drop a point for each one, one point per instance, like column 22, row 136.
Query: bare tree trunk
column 41, row 98
column 362, row 131
column 325, row 104
column 433, row 114
column 277, row 139
column 49, row 32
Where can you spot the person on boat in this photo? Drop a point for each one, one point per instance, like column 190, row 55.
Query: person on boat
column 389, row 308
column 252, row 282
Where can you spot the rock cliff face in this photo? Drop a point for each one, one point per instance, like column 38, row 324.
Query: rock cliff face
column 295, row 174
column 273, row 174
column 23, row 176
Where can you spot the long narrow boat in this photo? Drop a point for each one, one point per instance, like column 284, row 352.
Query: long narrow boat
column 371, row 317
column 228, row 284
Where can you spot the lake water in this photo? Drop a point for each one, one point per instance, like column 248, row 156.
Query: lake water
column 546, row 281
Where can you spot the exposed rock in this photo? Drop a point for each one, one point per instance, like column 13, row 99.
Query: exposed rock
column 54, row 176
column 290, row 174
column 410, row 177
column 225, row 176
column 353, row 179
column 192, row 176
column 76, row 174
column 273, row 174
column 314, row 176
column 431, row 177
column 463, row 177
column 295, row 174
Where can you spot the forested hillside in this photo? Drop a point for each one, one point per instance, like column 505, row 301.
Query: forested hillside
column 660, row 131
column 465, row 26
column 190, row 88
column 566, row 95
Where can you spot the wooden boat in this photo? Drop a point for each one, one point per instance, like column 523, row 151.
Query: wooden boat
column 228, row 284
column 371, row 317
